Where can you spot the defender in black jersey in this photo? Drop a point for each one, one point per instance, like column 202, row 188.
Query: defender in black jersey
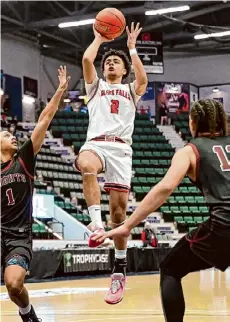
column 17, row 174
column 206, row 161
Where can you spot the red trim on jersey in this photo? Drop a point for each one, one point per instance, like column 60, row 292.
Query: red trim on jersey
column 76, row 163
column 115, row 186
column 195, row 150
column 107, row 190
column 24, row 167
column 108, row 138
column 9, row 165
column 31, row 204
column 194, row 239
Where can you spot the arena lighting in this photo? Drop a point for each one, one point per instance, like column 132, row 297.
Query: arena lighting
column 28, row 99
column 215, row 90
column 166, row 10
column 76, row 23
column 1, row 92
column 81, row 97
column 214, row 34
column 67, row 100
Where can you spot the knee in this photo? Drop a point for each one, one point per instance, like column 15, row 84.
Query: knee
column 87, row 167
column 14, row 286
column 118, row 215
column 167, row 271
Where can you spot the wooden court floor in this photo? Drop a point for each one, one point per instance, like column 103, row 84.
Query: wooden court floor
column 207, row 294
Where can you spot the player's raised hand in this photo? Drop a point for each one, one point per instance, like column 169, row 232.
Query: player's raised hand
column 121, row 231
column 132, row 35
column 63, row 79
column 99, row 37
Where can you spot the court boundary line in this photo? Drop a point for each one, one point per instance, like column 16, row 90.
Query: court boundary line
column 188, row 313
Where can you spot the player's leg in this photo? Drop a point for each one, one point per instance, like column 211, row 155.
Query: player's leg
column 14, row 280
column 90, row 163
column 177, row 264
column 118, row 178
column 118, row 207
column 16, row 266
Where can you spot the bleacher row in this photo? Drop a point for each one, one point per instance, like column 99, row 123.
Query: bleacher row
column 182, row 126
column 152, row 155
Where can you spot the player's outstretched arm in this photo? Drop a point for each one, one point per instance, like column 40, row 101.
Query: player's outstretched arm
column 181, row 164
column 49, row 111
column 141, row 79
column 89, row 57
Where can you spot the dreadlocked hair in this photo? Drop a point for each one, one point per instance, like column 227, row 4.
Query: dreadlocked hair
column 209, row 116
column 122, row 55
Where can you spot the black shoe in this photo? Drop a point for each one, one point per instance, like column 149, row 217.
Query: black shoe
column 30, row 317
column 120, row 266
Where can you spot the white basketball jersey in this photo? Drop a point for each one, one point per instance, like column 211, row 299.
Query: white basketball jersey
column 111, row 109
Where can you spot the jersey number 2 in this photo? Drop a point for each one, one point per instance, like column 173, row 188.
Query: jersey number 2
column 10, row 197
column 114, row 106
column 222, row 156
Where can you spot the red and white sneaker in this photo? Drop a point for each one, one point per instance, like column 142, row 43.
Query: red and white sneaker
column 97, row 230
column 116, row 292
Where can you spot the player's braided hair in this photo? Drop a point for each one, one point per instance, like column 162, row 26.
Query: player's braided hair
column 209, row 116
column 122, row 55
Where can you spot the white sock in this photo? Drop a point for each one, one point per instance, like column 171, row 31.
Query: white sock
column 95, row 215
column 120, row 254
column 25, row 310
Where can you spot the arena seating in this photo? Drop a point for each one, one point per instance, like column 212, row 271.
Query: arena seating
column 152, row 155
column 182, row 126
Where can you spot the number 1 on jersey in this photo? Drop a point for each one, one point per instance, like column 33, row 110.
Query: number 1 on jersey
column 222, row 156
column 114, row 106
column 9, row 194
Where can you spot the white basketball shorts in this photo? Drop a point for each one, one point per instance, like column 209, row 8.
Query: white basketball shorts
column 116, row 159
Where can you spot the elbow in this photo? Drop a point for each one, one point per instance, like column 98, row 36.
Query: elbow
column 145, row 80
column 86, row 59
column 167, row 188
column 45, row 117
column 141, row 85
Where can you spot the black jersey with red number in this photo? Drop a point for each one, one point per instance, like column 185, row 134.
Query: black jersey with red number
column 213, row 174
column 17, row 191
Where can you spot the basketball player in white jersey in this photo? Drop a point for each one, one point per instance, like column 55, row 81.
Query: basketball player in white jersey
column 111, row 106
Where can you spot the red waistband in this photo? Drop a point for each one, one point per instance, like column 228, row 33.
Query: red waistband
column 108, row 138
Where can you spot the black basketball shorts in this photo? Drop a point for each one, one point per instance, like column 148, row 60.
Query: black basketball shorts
column 16, row 250
column 200, row 249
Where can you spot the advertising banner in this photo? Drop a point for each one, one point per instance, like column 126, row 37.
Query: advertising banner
column 146, row 104
column 86, row 260
column 171, row 99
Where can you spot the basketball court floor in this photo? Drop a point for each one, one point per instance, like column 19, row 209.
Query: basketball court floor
column 207, row 294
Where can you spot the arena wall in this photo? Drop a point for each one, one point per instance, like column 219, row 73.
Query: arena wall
column 22, row 59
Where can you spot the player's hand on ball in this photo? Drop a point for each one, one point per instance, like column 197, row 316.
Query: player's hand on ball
column 121, row 231
column 99, row 37
column 63, row 79
column 132, row 35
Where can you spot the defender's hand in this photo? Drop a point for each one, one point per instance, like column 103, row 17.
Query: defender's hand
column 63, row 79
column 121, row 231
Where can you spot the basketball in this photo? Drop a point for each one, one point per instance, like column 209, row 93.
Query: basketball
column 110, row 23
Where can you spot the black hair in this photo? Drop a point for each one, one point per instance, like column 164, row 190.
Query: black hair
column 209, row 116
column 122, row 55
